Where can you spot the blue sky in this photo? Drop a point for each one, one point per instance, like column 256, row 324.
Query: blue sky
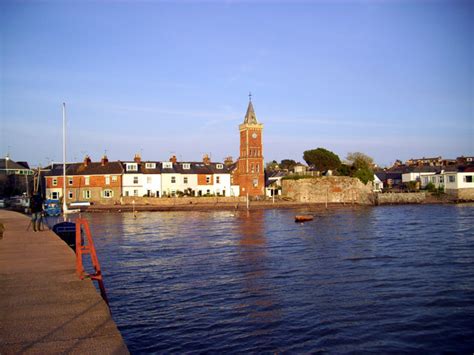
column 392, row 79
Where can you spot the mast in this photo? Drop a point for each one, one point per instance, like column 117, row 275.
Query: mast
column 64, row 158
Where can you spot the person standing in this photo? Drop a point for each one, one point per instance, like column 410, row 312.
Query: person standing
column 36, row 206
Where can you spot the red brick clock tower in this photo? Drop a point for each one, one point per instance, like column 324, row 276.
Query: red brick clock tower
column 250, row 169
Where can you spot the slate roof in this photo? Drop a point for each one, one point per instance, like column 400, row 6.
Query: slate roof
column 93, row 168
column 196, row 168
column 13, row 165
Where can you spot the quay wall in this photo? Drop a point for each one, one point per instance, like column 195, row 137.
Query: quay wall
column 400, row 198
column 466, row 194
column 181, row 201
column 328, row 189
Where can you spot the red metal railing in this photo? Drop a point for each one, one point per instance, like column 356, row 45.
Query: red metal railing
column 86, row 246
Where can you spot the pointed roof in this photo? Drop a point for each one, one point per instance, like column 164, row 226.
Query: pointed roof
column 250, row 117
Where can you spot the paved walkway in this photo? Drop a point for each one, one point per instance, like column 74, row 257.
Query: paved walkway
column 44, row 307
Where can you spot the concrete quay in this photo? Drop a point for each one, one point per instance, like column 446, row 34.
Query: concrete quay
column 44, row 307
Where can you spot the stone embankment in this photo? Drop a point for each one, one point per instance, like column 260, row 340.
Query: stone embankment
column 44, row 307
column 400, row 198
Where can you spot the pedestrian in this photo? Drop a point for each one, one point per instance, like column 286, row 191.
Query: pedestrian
column 36, row 206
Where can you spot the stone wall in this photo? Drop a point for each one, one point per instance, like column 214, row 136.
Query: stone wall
column 179, row 201
column 462, row 194
column 400, row 198
column 330, row 189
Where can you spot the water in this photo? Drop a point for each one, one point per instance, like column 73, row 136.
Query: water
column 385, row 279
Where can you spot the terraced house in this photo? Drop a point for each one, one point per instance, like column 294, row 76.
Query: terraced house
column 96, row 182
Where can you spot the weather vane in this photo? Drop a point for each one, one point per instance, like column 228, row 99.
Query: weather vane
column 250, row 96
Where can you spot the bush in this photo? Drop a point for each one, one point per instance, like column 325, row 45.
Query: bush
column 298, row 177
column 365, row 175
column 430, row 187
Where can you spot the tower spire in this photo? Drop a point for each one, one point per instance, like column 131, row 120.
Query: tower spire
column 250, row 117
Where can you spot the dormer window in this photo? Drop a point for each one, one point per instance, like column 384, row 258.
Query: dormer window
column 167, row 165
column 219, row 166
column 186, row 166
column 150, row 165
column 132, row 167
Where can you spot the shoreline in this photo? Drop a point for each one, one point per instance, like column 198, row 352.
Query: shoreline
column 255, row 205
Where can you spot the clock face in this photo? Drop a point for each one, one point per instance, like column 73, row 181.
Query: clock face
column 254, row 135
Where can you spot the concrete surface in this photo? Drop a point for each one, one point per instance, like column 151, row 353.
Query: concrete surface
column 44, row 307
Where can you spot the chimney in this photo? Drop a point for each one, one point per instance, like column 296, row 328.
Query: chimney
column 137, row 158
column 173, row 159
column 87, row 160
column 228, row 161
column 206, row 160
column 104, row 160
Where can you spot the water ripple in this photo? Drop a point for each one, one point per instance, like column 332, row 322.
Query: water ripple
column 377, row 280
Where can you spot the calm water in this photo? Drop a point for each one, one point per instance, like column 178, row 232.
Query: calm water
column 386, row 279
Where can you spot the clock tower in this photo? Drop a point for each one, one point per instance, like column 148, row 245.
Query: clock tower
column 251, row 168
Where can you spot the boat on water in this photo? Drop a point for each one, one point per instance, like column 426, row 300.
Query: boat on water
column 52, row 208
column 303, row 218
column 67, row 232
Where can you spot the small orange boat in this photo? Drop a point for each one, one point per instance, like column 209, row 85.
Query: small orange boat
column 303, row 218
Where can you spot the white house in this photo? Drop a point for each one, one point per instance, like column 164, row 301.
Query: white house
column 378, row 184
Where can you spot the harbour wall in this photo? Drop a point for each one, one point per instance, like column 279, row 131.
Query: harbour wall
column 400, row 198
column 328, row 189
column 181, row 201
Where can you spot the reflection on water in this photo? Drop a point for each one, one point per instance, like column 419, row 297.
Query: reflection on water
column 386, row 279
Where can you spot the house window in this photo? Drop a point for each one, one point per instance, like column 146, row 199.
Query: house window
column 452, row 178
column 258, row 168
column 87, row 180
column 167, row 165
column 148, row 179
column 54, row 195
column 468, row 178
column 70, row 194
column 150, row 165
column 114, row 178
column 55, row 182
column 425, row 180
column 441, row 180
column 185, row 180
column 255, row 182
column 132, row 167
column 70, row 180
column 135, row 179
column 252, row 168
column 218, row 179
column 186, row 166
column 107, row 193
column 173, row 179
column 135, row 192
column 433, row 179
column 208, row 179
column 127, row 193
column 208, row 192
column 219, row 166
column 107, row 180
column 86, row 194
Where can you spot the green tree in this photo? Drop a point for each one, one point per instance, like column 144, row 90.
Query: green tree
column 287, row 164
column 345, row 170
column 322, row 159
column 272, row 166
column 364, row 174
column 360, row 160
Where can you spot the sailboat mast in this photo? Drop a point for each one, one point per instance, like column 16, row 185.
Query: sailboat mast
column 64, row 157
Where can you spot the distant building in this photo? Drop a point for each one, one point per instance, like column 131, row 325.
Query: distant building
column 16, row 178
